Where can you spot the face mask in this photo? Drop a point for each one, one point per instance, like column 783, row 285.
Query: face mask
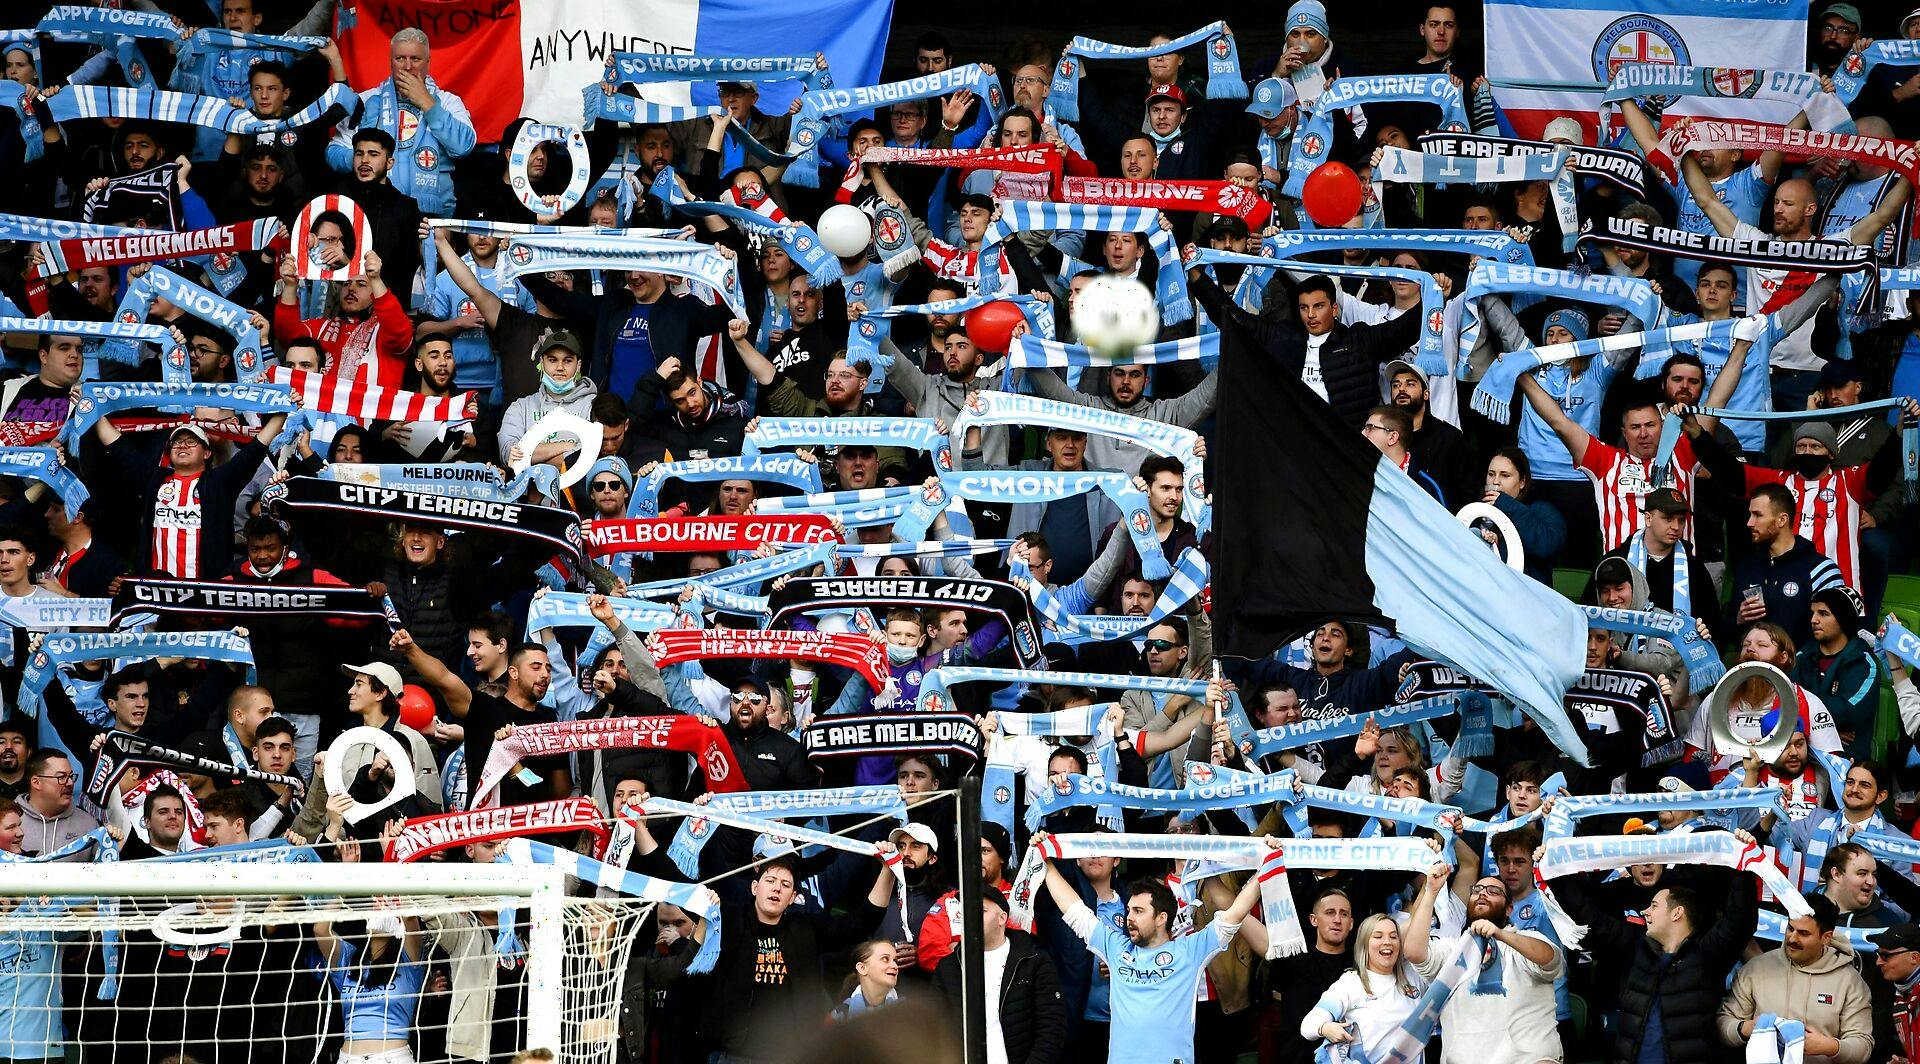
column 554, row 387
column 900, row 655
column 1809, row 465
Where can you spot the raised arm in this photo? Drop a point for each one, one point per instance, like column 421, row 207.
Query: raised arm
column 1569, row 431
column 756, row 363
column 1413, row 944
column 1645, row 133
column 1718, row 213
column 456, row 693
column 484, row 300
column 1894, row 206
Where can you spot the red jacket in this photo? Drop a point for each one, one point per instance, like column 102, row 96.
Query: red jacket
column 940, row 931
column 372, row 350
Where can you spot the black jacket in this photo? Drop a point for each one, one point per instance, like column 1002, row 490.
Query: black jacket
column 770, row 759
column 1350, row 359
column 220, row 487
column 295, row 655
column 1688, row 986
column 675, row 326
column 1786, row 583
column 1032, row 1020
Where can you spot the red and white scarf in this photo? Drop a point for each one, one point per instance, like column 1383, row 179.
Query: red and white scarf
column 1031, row 159
column 689, row 735
column 858, row 652
column 423, row 835
column 1217, row 197
column 329, row 393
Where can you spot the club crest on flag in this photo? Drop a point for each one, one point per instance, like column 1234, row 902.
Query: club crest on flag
column 1637, row 39
column 1734, row 84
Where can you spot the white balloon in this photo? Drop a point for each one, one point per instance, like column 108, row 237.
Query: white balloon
column 1113, row 315
column 845, row 230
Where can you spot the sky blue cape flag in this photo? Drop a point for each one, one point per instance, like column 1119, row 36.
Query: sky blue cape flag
column 1346, row 535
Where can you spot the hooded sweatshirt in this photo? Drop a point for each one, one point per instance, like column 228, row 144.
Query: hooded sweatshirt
column 46, row 834
column 1827, row 995
column 531, row 408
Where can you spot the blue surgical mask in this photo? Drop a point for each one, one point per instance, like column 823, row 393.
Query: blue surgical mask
column 554, row 387
column 900, row 655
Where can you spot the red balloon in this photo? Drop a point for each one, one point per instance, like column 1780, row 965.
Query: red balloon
column 1331, row 195
column 416, row 707
column 990, row 326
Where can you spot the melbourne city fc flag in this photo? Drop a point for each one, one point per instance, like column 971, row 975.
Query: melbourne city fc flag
column 1312, row 524
column 1548, row 58
column 507, row 58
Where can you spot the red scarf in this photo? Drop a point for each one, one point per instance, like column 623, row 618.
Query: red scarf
column 689, row 735
column 620, row 535
column 1217, row 197
column 859, row 652
column 423, row 835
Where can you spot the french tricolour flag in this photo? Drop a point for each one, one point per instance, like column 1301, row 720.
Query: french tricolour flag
column 1548, row 58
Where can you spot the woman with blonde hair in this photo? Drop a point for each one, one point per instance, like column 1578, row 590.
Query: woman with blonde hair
column 1367, row 1004
column 875, row 980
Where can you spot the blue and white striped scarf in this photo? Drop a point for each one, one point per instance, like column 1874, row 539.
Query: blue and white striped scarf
column 1189, row 577
column 1293, row 736
column 784, row 469
column 567, row 609
column 1569, row 808
column 855, row 507
column 115, row 28
column 810, row 124
column 799, row 240
column 98, row 399
column 541, row 253
column 1494, row 395
column 696, row 899
column 987, row 408
column 863, row 340
column 1399, row 165
column 217, row 61
column 1020, row 216
column 1682, row 578
column 13, row 96
column 1313, row 141
column 60, row 649
column 1223, row 791
column 1594, row 853
column 933, row 548
column 1476, row 963
column 1777, row 1040
column 249, row 350
column 159, row 105
column 1017, row 486
column 44, row 465
column 1704, row 667
column 869, row 801
column 1224, row 81
column 750, row 573
column 1037, row 352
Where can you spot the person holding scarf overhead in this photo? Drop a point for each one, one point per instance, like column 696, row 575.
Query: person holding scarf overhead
column 430, row 126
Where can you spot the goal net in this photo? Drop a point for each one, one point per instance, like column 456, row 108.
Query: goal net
column 298, row 963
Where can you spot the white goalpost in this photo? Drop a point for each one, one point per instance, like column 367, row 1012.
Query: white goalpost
column 138, row 962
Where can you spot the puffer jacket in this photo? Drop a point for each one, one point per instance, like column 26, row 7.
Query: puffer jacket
column 1827, row 995
column 1033, row 1022
column 284, row 648
column 1687, row 986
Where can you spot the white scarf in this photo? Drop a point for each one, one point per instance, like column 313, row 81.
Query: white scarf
column 1593, row 853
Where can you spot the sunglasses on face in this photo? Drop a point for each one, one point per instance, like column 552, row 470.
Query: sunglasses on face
column 1160, row 646
column 606, row 485
column 749, row 698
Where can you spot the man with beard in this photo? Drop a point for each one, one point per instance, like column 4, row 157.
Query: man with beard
column 843, row 390
column 489, row 717
column 432, row 373
column 1836, row 30
column 394, row 215
column 1126, row 394
column 702, row 419
column 634, row 328
column 458, row 317
column 15, row 747
column 364, row 335
column 1517, row 1023
column 1155, row 976
column 1438, row 448
column 1070, row 526
column 260, row 188
column 942, row 396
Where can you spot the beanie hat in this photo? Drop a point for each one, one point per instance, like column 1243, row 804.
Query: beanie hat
column 612, row 464
column 1311, row 14
column 1845, row 604
column 1819, row 432
column 1571, row 320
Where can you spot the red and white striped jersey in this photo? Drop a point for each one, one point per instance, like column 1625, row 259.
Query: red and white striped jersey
column 177, row 518
column 1829, row 511
column 1621, row 482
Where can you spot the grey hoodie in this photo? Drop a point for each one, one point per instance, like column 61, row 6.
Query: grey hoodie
column 47, row 834
column 1655, row 657
column 531, row 408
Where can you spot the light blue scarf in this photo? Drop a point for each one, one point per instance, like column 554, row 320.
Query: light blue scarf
column 1704, row 667
column 1314, row 139
column 616, row 251
column 1909, row 435
column 1224, row 81
column 873, row 802
column 159, row 282
column 1430, row 356
column 784, row 469
column 800, row 241
column 1020, row 216
column 98, row 399
column 1851, row 76
column 810, row 124
column 44, row 465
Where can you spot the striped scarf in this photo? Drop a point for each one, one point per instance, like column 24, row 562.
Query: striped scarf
column 1777, row 1040
column 1594, row 853
column 1851, row 76
column 617, row 251
column 786, row 470
column 1224, row 81
column 1430, row 355
column 1037, row 352
column 1020, row 216
column 367, row 403
column 1190, row 575
column 1476, row 960
column 1909, row 434
column 697, row 900
column 211, row 112
column 875, row 326
column 1682, row 577
column 1015, row 486
column 799, row 241
column 1313, row 141
column 810, row 123
column 160, row 282
column 917, row 434
column 1656, row 84
column 695, row 832
column 1704, row 667
column 1399, row 165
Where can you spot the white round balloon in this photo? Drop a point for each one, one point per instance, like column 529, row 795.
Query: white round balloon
column 1113, row 315
column 845, row 230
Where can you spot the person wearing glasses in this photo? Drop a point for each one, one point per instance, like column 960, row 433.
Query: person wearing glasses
column 48, row 815
column 1897, row 956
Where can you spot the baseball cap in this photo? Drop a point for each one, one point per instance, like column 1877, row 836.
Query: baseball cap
column 1228, row 225
column 1666, row 501
column 1564, row 128
column 1848, row 12
column 557, row 338
column 1271, row 97
column 1840, row 371
column 1401, row 365
column 1899, row 936
column 1686, row 777
column 1166, row 92
column 1612, row 571
column 919, row 833
column 379, row 672
column 195, row 431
